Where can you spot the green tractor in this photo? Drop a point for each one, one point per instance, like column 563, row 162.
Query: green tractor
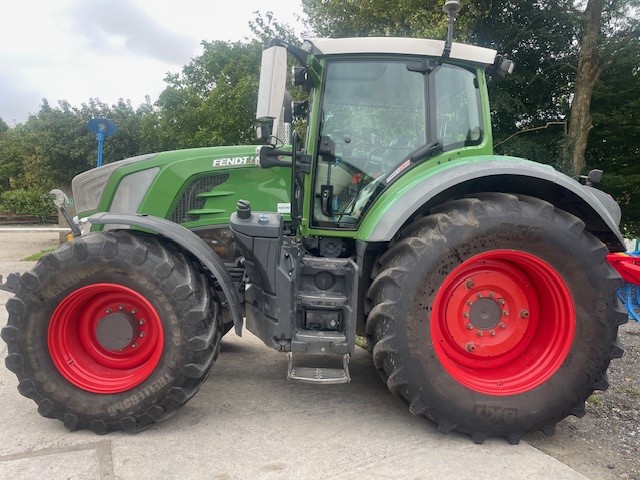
column 375, row 208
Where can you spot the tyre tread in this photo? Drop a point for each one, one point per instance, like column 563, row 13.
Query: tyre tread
column 414, row 241
column 159, row 259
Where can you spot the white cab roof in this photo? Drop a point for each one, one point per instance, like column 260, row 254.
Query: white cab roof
column 398, row 45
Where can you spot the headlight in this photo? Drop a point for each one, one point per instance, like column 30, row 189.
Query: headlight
column 132, row 190
column 89, row 186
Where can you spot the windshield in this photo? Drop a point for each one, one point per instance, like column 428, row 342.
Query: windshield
column 374, row 115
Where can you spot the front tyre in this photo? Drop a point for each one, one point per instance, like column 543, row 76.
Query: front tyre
column 495, row 316
column 113, row 331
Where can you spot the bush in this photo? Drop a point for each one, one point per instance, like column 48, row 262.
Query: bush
column 27, row 202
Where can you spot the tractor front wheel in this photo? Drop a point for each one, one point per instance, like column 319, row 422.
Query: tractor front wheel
column 113, row 331
column 495, row 316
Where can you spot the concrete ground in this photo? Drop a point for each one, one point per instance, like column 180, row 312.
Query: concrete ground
column 249, row 422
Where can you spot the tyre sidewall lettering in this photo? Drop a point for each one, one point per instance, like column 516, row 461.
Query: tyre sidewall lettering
column 101, row 404
column 102, row 263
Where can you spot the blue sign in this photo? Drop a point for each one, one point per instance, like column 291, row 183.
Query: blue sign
column 102, row 128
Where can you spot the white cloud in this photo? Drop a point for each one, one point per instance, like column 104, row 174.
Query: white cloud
column 16, row 102
column 120, row 27
column 75, row 50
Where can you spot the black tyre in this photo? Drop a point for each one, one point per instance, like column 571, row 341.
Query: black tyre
column 113, row 331
column 495, row 316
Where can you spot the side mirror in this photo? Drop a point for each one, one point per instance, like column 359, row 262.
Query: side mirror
column 273, row 78
column 594, row 177
column 502, row 67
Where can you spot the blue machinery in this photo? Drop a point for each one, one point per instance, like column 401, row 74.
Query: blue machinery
column 629, row 293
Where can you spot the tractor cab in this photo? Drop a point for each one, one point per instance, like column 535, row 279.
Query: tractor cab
column 377, row 107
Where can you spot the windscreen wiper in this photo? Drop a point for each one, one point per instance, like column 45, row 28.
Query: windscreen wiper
column 425, row 151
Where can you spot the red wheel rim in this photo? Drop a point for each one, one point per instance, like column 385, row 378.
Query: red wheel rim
column 503, row 322
column 105, row 338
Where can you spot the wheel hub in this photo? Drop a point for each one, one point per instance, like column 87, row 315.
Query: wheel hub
column 116, row 331
column 485, row 313
column 479, row 317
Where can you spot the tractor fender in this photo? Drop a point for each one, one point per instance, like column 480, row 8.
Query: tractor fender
column 191, row 243
column 412, row 194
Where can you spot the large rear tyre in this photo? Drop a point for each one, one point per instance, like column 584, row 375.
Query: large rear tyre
column 495, row 316
column 113, row 331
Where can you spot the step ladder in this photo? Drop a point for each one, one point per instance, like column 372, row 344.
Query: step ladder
column 327, row 376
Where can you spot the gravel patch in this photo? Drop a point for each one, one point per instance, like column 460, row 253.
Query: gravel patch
column 605, row 443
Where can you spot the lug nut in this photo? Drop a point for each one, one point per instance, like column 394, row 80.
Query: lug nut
column 479, row 295
column 480, row 333
column 502, row 325
column 134, row 345
column 465, row 314
column 469, row 326
column 491, row 294
column 141, row 335
column 108, row 311
column 492, row 333
column 505, row 313
column 501, row 301
column 142, row 321
column 134, row 311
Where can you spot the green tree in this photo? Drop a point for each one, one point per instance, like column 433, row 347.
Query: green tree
column 13, row 146
column 608, row 26
column 212, row 100
column 614, row 141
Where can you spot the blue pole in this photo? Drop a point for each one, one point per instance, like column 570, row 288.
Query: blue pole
column 100, row 137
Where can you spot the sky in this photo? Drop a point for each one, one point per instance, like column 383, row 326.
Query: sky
column 75, row 50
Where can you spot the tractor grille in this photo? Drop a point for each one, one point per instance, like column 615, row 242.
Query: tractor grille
column 189, row 199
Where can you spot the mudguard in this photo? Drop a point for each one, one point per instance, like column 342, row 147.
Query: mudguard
column 190, row 242
column 502, row 174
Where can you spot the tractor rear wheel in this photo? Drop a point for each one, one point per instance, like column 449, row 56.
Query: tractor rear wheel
column 495, row 316
column 113, row 331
